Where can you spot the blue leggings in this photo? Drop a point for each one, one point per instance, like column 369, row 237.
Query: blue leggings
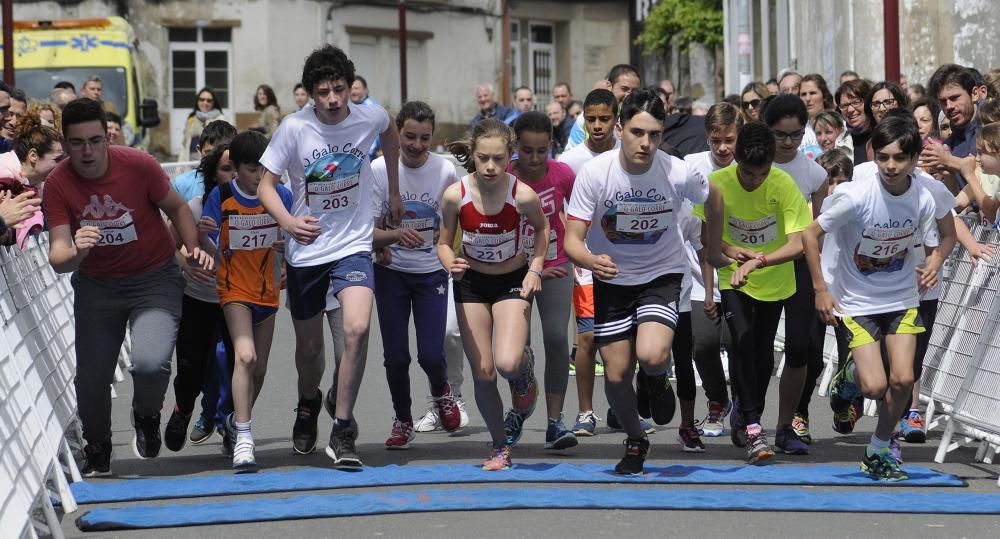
column 426, row 295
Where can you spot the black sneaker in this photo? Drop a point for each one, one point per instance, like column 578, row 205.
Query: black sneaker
column 636, row 452
column 228, row 435
column 98, row 460
column 341, row 448
column 662, row 402
column 304, row 430
column 642, row 382
column 146, row 443
column 202, row 430
column 175, row 435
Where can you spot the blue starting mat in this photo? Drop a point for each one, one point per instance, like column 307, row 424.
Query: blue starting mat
column 495, row 497
column 325, row 478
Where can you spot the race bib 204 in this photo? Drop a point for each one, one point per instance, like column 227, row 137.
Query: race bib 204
column 118, row 231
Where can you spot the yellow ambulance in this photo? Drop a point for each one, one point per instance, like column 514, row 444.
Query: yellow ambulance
column 74, row 50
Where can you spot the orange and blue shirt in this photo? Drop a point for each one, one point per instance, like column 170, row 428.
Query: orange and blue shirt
column 248, row 271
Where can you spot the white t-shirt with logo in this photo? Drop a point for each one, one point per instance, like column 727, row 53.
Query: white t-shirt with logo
column 421, row 189
column 582, row 153
column 703, row 164
column 633, row 218
column 873, row 232
column 331, row 179
column 808, row 174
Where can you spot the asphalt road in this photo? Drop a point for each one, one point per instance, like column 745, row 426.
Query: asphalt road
column 273, row 417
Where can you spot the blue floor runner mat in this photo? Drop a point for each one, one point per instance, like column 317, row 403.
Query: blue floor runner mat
column 495, row 497
column 325, row 478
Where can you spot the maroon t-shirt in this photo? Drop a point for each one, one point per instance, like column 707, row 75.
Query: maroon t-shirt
column 122, row 203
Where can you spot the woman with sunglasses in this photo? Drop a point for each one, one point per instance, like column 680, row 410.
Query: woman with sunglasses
column 751, row 97
column 850, row 100
column 207, row 108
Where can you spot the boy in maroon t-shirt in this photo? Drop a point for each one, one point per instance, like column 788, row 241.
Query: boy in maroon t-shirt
column 103, row 210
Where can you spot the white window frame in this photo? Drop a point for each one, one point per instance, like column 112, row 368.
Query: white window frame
column 546, row 92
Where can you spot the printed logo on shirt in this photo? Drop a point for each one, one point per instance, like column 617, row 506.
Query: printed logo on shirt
column 333, row 181
column 424, row 219
column 883, row 249
column 637, row 218
column 114, row 220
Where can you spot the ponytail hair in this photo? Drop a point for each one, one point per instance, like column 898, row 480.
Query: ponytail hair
column 31, row 134
column 463, row 149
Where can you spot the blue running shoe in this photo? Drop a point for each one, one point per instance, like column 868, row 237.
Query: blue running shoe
column 882, row 466
column 557, row 436
column 513, row 426
column 586, row 424
column 913, row 429
column 786, row 440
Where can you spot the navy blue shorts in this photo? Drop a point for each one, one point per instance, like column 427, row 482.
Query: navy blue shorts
column 308, row 285
column 258, row 313
column 584, row 324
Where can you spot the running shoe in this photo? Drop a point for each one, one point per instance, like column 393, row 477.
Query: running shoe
column 842, row 390
column 401, row 436
column 758, row 452
column 304, row 430
column 572, row 368
column 201, row 431
column 448, row 412
column 882, row 466
column 737, row 427
column 229, row 436
column 98, row 460
column 431, row 422
column 146, row 442
column 524, row 388
column 499, row 459
column 662, row 402
column 175, row 433
column 845, row 420
column 642, row 382
column 787, row 441
column 616, row 425
column 586, row 424
column 714, row 423
column 341, row 448
column 243, row 455
column 513, row 425
column 913, row 429
column 636, row 452
column 690, row 439
column 557, row 437
column 897, row 452
column 800, row 424
column 598, row 369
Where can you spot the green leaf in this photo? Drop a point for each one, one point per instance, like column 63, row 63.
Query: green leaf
column 680, row 23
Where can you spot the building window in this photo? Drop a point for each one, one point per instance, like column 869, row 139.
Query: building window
column 542, row 51
column 199, row 57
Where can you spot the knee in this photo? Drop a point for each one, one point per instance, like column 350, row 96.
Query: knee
column 355, row 331
column 146, row 365
column 487, row 377
column 585, row 340
column 901, row 381
column 246, row 359
column 653, row 358
column 507, row 367
column 872, row 390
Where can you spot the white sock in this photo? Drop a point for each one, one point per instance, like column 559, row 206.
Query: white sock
column 243, row 431
column 877, row 445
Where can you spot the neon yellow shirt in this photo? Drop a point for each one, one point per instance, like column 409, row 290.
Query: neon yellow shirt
column 760, row 220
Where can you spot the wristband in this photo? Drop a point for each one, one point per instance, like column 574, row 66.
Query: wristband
column 763, row 261
column 536, row 273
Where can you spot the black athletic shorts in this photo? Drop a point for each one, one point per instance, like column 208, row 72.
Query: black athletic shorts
column 619, row 309
column 476, row 287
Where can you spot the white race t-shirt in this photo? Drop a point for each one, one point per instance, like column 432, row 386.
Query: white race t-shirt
column 944, row 203
column 703, row 164
column 421, row 189
column 580, row 154
column 690, row 227
column 633, row 218
column 808, row 174
column 197, row 289
column 874, row 232
column 331, row 179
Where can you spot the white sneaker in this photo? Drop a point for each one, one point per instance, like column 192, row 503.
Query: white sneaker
column 430, row 422
column 243, row 455
column 461, row 408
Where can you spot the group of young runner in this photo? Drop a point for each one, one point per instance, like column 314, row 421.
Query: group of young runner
column 659, row 257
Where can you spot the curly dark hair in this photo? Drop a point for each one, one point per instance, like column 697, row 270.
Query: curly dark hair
column 327, row 63
column 755, row 144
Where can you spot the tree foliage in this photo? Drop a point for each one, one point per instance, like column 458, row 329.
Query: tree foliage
column 680, row 23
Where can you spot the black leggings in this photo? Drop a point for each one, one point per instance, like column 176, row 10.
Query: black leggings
column 804, row 334
column 705, row 336
column 752, row 324
column 200, row 328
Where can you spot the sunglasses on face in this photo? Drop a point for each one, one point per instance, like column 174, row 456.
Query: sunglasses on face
column 752, row 104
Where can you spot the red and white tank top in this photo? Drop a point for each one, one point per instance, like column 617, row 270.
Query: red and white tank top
column 490, row 238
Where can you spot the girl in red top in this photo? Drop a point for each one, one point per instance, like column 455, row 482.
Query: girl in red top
column 494, row 281
column 553, row 182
